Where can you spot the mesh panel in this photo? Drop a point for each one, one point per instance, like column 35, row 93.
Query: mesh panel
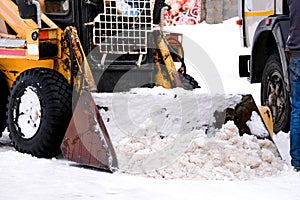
column 123, row 27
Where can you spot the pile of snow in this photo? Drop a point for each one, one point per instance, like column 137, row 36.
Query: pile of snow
column 225, row 156
column 170, row 134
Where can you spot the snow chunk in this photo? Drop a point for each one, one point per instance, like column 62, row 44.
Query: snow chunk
column 257, row 126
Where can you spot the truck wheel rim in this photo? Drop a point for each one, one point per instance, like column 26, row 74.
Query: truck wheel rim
column 27, row 113
column 276, row 96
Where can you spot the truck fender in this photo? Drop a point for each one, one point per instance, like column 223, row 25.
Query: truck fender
column 267, row 40
column 281, row 35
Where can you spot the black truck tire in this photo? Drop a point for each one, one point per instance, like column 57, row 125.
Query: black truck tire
column 39, row 111
column 3, row 102
column 274, row 94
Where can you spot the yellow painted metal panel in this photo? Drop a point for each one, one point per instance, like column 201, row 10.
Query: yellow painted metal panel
column 259, row 13
column 14, row 67
column 266, row 115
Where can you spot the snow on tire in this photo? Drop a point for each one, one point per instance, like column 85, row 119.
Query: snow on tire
column 38, row 112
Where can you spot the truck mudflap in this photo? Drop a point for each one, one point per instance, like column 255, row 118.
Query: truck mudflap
column 244, row 65
column 86, row 140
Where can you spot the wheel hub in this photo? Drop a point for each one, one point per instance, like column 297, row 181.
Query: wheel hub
column 276, row 98
column 27, row 113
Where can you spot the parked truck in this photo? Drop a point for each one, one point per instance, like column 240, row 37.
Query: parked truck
column 264, row 27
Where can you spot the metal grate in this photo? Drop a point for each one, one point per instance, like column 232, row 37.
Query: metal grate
column 123, row 27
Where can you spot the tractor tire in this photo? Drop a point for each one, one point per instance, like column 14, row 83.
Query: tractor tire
column 39, row 111
column 3, row 102
column 188, row 82
column 274, row 94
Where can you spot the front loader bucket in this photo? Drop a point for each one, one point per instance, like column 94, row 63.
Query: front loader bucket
column 86, row 140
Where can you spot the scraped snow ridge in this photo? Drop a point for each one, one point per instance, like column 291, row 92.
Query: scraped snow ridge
column 169, row 134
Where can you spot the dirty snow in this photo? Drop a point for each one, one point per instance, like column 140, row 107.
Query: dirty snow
column 219, row 157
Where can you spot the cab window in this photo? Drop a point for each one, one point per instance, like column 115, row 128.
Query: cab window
column 57, row 6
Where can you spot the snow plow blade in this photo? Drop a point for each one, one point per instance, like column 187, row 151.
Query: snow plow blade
column 86, row 140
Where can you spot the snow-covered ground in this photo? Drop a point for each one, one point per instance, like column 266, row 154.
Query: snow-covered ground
column 208, row 49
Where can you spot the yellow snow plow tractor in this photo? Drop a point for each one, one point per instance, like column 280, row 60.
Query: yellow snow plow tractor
column 51, row 53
